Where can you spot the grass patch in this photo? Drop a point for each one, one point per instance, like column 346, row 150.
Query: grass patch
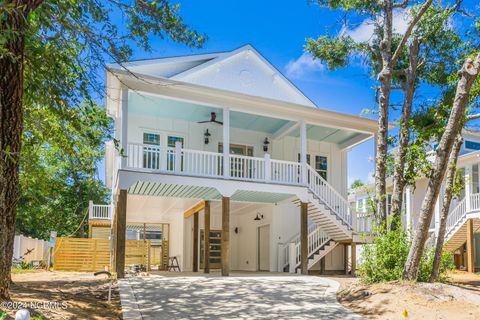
column 3, row 315
column 20, row 271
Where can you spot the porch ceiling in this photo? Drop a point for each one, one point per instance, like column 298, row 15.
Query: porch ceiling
column 332, row 135
column 150, row 105
column 205, row 193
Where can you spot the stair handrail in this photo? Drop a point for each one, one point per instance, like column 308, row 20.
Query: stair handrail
column 294, row 239
column 316, row 239
column 456, row 215
column 329, row 196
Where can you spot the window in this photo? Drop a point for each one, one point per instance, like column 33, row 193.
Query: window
column 308, row 158
column 151, row 155
column 472, row 145
column 151, row 138
column 171, row 140
column 321, row 164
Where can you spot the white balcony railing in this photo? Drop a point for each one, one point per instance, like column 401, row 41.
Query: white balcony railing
column 100, row 211
column 210, row 164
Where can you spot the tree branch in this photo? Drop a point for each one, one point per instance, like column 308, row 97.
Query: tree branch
column 403, row 4
column 473, row 116
column 409, row 31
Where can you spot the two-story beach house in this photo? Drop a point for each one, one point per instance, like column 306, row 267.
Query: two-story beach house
column 463, row 223
column 224, row 164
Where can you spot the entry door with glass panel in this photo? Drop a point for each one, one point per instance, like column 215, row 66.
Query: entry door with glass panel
column 240, row 167
column 215, row 249
column 171, row 141
column 151, row 151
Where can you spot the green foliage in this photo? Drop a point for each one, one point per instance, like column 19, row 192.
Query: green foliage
column 67, row 47
column 384, row 259
column 357, row 184
column 335, row 52
column 426, row 264
column 3, row 315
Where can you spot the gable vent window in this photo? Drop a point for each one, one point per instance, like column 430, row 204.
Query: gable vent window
column 472, row 145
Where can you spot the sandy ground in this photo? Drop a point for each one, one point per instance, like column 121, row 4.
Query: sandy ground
column 460, row 299
column 84, row 296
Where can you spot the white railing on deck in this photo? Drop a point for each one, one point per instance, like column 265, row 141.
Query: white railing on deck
column 328, row 195
column 364, row 222
column 100, row 211
column 286, row 172
column 247, row 168
column 475, row 201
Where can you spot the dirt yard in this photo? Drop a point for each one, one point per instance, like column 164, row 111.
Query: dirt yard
column 84, row 296
column 460, row 299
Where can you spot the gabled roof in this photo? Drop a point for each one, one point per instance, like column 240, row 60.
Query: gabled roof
column 243, row 70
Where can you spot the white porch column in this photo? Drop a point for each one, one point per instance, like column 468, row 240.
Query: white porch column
column 408, row 210
column 468, row 187
column 292, row 259
column 226, row 143
column 124, row 131
column 303, row 151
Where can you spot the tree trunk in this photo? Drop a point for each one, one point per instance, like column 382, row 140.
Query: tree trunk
column 385, row 78
column 11, row 120
column 447, row 198
column 12, row 24
column 404, row 139
column 468, row 74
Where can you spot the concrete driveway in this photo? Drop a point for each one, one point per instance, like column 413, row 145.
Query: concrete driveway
column 240, row 296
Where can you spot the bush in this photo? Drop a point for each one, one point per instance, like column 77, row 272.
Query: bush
column 426, row 265
column 3, row 315
column 383, row 260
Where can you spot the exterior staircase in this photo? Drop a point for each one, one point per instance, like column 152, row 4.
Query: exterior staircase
column 332, row 220
column 456, row 233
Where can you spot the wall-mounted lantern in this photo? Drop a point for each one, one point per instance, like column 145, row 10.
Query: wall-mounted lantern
column 206, row 136
column 265, row 144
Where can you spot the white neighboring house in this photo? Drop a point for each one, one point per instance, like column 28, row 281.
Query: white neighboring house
column 227, row 133
column 463, row 224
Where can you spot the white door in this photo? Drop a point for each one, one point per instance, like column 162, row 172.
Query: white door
column 264, row 248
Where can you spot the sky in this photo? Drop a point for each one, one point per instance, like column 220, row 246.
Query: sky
column 278, row 29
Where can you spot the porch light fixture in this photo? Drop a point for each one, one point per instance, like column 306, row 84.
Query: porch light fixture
column 258, row 217
column 207, row 135
column 265, row 144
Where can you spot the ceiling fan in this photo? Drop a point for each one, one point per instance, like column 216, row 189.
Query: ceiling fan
column 213, row 118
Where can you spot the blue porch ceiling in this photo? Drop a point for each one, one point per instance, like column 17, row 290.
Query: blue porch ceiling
column 173, row 109
column 153, row 106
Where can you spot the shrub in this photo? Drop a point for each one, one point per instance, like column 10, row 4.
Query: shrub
column 426, row 264
column 383, row 260
column 3, row 315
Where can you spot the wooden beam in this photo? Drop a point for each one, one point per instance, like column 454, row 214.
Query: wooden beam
column 195, row 208
column 206, row 238
column 345, row 257
column 354, row 258
column 195, row 242
column 304, row 237
column 120, row 234
column 225, row 256
column 470, row 248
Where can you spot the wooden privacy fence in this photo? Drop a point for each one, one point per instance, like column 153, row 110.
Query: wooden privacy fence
column 90, row 255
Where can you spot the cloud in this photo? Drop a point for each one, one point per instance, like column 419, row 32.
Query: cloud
column 303, row 65
column 364, row 31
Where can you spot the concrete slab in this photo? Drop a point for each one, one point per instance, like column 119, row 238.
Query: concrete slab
column 240, row 296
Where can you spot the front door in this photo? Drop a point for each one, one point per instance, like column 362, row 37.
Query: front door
column 264, row 248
